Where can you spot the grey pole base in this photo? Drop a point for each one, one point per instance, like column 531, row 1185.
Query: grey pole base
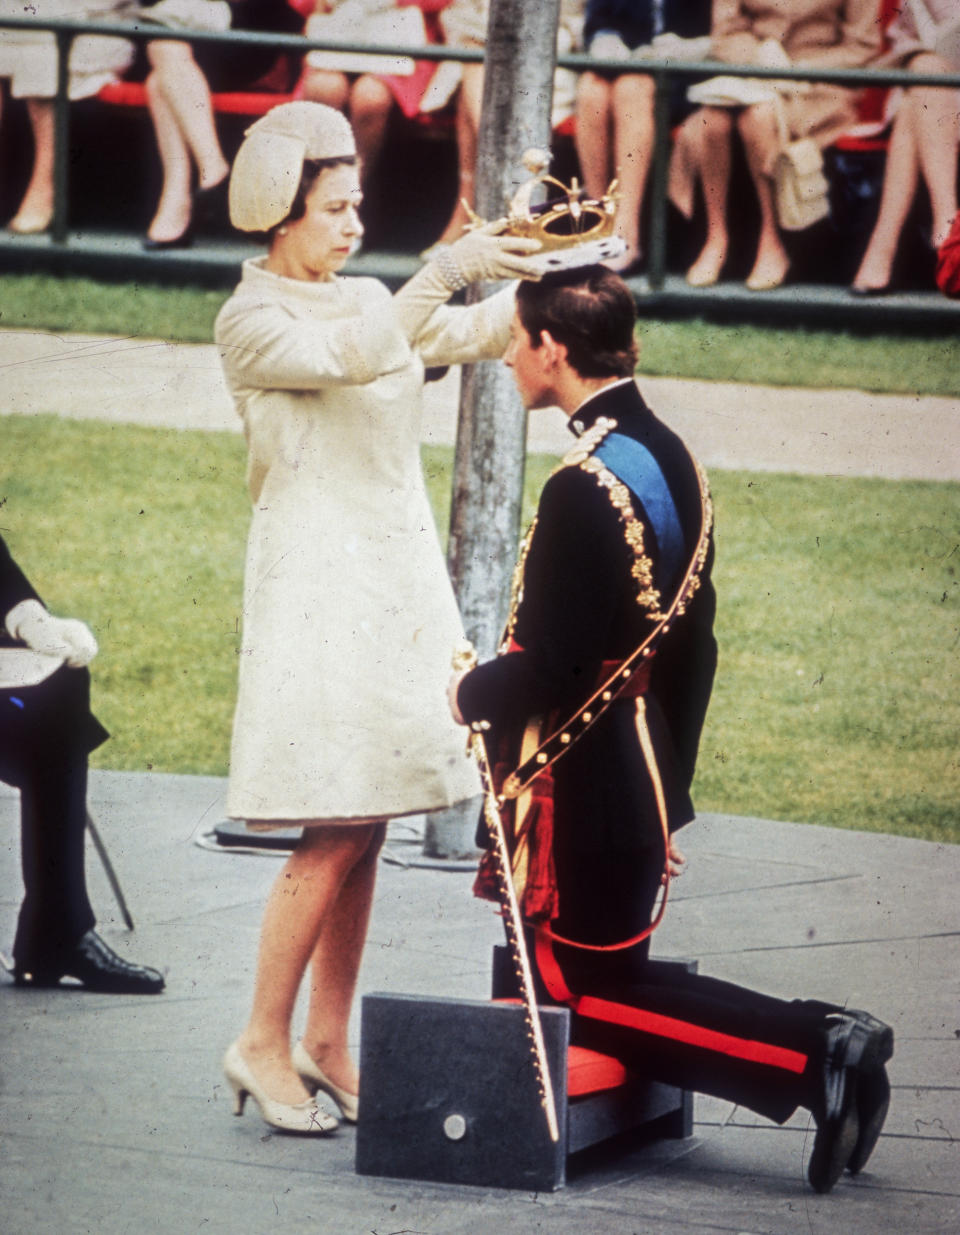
column 449, row 835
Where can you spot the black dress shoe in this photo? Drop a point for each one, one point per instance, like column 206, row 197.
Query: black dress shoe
column 854, row 1050
column 98, row 968
column 873, row 1093
column 211, row 211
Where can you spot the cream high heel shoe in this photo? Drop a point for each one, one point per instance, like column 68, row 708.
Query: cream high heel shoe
column 314, row 1078
column 306, row 1117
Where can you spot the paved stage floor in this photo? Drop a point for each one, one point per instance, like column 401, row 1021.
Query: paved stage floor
column 115, row 1117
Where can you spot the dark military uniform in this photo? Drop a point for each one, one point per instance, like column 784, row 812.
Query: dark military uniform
column 594, row 581
column 46, row 733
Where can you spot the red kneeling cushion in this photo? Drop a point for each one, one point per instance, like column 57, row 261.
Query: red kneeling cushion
column 590, row 1072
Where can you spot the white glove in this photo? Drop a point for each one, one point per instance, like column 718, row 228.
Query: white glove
column 480, row 254
column 483, row 254
column 68, row 639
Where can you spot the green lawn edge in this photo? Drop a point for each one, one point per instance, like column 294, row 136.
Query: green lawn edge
column 836, row 700
column 891, row 362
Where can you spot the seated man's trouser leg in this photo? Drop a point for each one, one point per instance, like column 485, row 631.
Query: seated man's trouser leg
column 46, row 734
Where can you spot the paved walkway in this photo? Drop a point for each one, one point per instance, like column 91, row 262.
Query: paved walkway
column 728, row 425
column 113, row 1111
column 115, row 1117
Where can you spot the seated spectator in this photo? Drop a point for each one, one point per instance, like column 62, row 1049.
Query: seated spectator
column 28, row 60
column 465, row 25
column 46, row 734
column 827, row 34
column 923, row 141
column 366, row 87
column 178, row 86
column 615, row 129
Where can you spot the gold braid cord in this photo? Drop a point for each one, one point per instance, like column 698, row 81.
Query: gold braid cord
column 465, row 658
column 648, row 597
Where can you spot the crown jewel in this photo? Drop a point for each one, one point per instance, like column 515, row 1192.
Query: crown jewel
column 573, row 229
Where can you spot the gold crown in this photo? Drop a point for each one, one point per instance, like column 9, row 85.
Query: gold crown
column 559, row 222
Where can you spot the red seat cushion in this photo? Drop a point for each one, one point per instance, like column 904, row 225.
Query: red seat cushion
column 590, row 1072
column 239, row 102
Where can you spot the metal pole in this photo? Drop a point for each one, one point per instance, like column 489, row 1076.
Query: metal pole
column 491, row 434
column 492, row 429
column 61, row 137
column 658, row 180
column 109, row 871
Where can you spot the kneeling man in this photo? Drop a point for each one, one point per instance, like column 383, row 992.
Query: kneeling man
column 593, row 712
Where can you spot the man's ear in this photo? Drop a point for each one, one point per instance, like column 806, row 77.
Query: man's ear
column 555, row 352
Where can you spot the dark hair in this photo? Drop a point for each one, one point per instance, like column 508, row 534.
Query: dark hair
column 591, row 311
column 309, row 175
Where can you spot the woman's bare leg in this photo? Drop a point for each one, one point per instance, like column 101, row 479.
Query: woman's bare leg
column 175, row 207
column 302, row 907
column 632, row 110
column 938, row 139
column 709, row 132
column 182, row 111
column 326, row 86
column 36, row 208
column 334, row 967
column 900, row 180
column 758, row 129
column 468, row 123
column 592, row 136
column 370, row 105
column 924, row 142
column 184, row 86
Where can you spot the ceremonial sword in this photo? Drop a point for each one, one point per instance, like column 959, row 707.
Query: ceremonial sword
column 465, row 658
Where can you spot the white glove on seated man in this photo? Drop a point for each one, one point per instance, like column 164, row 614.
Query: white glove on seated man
column 67, row 639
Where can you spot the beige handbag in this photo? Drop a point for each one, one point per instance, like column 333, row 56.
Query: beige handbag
column 800, row 189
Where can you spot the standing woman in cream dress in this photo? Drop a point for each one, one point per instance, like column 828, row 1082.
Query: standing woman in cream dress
column 349, row 619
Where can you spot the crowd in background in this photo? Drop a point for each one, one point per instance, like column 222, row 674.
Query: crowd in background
column 714, row 122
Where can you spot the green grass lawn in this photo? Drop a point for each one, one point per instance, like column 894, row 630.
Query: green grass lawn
column 838, row 694
column 908, row 363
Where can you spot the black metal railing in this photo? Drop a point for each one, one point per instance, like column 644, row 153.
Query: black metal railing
column 663, row 72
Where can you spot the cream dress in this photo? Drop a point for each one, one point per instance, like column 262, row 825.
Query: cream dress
column 28, row 59
column 349, row 619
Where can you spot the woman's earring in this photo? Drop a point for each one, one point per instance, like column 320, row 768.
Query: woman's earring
column 282, row 231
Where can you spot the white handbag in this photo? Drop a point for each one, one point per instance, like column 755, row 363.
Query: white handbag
column 800, row 189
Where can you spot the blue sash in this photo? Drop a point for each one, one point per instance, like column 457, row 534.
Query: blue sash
column 635, row 466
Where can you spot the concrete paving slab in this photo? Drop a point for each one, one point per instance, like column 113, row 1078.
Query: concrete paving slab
column 115, row 1117
column 727, row 424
